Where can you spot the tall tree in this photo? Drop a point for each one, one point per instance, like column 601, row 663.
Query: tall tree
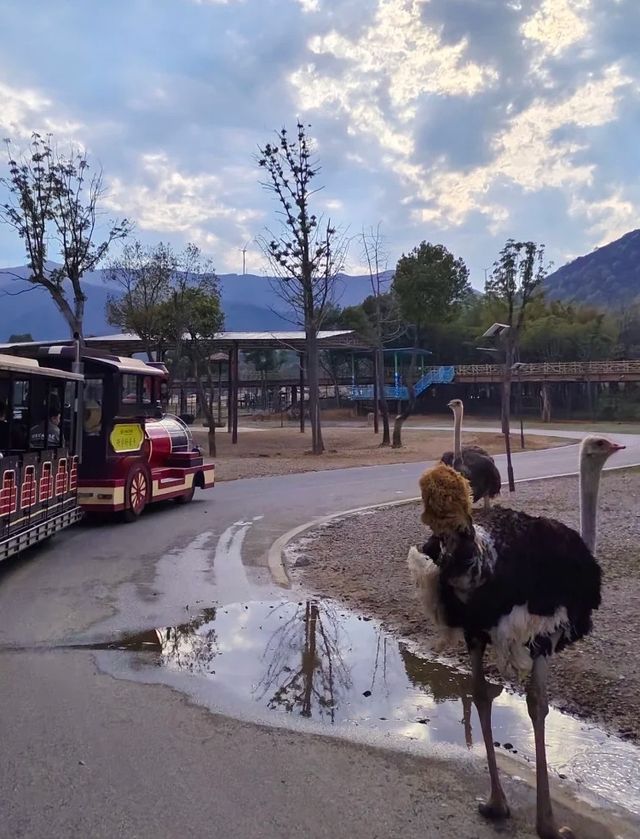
column 430, row 285
column 516, row 281
column 383, row 314
column 192, row 320
column 306, row 254
column 143, row 277
column 53, row 198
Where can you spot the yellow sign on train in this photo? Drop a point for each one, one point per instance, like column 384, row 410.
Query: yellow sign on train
column 127, row 437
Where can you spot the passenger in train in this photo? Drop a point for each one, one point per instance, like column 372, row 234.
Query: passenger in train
column 52, row 431
column 5, row 442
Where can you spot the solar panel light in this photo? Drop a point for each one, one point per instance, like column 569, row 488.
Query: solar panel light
column 496, row 330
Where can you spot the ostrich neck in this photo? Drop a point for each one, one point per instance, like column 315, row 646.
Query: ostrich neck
column 457, row 435
column 589, row 486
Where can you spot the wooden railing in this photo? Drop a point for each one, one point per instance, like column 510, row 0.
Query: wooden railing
column 555, row 368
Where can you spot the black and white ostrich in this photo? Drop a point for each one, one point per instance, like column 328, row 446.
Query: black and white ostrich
column 524, row 585
column 476, row 464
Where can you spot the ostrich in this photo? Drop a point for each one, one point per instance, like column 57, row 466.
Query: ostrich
column 526, row 585
column 476, row 464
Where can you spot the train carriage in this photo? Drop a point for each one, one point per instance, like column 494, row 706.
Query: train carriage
column 39, row 455
column 132, row 453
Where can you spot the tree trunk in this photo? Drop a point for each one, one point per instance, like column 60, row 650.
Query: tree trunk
column 506, row 414
column 317, row 446
column 546, row 403
column 208, row 410
column 382, row 400
column 401, row 418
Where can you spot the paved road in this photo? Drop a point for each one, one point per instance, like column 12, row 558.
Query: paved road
column 86, row 755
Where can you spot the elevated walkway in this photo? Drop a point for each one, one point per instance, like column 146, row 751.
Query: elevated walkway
column 433, row 376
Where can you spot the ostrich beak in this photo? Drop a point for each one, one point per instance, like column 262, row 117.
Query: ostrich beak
column 616, row 447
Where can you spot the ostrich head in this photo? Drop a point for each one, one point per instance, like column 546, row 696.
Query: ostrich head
column 594, row 453
column 456, row 406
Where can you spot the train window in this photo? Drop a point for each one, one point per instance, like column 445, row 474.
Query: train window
column 46, row 409
column 147, row 390
column 19, row 418
column 93, row 394
column 129, row 388
column 5, row 428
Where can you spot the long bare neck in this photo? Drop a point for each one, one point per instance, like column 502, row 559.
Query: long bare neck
column 457, row 433
column 589, row 486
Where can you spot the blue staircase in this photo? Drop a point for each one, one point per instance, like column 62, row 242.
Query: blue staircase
column 434, row 376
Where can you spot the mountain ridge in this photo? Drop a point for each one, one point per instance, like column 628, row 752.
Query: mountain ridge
column 608, row 277
column 249, row 303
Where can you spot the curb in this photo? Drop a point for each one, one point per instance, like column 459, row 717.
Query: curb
column 275, row 560
column 274, row 555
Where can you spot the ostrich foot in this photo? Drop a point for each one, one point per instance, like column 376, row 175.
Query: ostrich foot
column 550, row 831
column 495, row 809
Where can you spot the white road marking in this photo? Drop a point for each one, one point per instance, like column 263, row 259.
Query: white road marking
column 229, row 571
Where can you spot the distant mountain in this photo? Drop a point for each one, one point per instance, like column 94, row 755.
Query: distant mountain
column 249, row 303
column 609, row 277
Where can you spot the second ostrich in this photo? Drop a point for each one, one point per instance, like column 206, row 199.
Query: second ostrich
column 476, row 464
column 523, row 584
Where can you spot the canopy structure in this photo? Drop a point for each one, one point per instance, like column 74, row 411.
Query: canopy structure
column 124, row 344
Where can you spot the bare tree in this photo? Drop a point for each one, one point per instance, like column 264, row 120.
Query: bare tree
column 385, row 319
column 307, row 253
column 192, row 320
column 53, row 198
column 143, row 277
column 516, row 280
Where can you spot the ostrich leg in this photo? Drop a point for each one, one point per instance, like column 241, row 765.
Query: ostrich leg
column 487, row 503
column 538, row 707
column 496, row 807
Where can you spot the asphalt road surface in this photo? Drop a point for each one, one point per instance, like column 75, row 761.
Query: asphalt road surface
column 85, row 754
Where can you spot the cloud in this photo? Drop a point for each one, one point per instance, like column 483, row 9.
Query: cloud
column 196, row 206
column 461, row 121
column 528, row 153
column 396, row 60
column 608, row 218
column 558, row 24
column 25, row 110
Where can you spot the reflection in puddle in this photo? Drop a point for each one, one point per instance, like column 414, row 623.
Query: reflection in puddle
column 317, row 661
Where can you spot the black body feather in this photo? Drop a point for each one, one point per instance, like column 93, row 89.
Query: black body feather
column 540, row 563
column 479, row 468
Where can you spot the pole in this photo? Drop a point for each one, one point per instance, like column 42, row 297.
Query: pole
column 522, row 446
column 229, row 391
column 78, row 367
column 301, row 356
column 236, row 373
column 219, row 393
column 376, row 428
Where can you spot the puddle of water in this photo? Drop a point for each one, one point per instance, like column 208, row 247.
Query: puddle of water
column 314, row 660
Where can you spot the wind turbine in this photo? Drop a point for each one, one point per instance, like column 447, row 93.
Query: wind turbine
column 244, row 258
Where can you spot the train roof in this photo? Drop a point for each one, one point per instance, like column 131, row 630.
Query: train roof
column 101, row 358
column 31, row 367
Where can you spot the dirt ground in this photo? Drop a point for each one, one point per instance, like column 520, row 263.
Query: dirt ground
column 283, row 451
column 361, row 560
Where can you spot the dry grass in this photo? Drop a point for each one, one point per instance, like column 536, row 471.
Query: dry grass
column 283, row 451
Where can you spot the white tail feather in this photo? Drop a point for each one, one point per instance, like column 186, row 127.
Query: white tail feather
column 426, row 578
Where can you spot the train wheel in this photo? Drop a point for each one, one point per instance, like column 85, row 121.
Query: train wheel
column 187, row 497
column 137, row 493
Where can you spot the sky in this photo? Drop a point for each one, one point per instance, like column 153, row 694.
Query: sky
column 464, row 122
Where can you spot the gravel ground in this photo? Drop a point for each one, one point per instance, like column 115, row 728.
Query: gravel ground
column 361, row 560
column 262, row 451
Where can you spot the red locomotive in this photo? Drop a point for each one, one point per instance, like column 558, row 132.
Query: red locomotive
column 132, row 453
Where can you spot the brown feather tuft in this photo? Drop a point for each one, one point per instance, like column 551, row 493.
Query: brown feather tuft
column 446, row 499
